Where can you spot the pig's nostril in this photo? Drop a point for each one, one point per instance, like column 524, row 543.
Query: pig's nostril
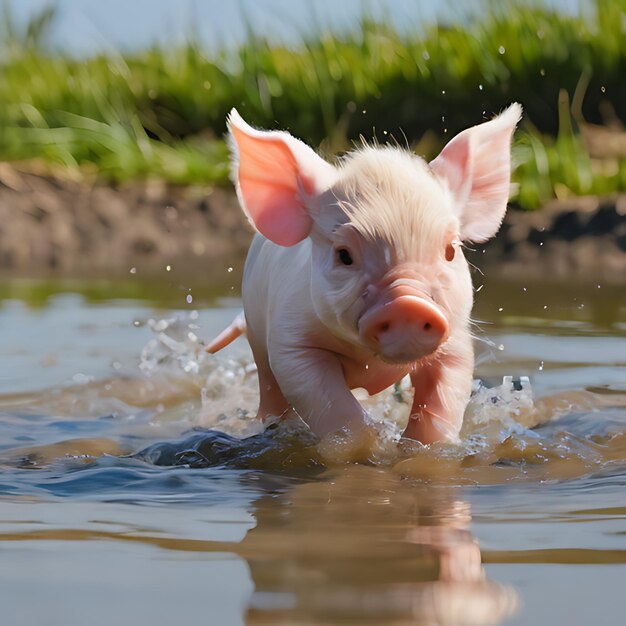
column 427, row 326
column 385, row 327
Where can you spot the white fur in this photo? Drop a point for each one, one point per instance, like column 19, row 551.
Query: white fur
column 391, row 195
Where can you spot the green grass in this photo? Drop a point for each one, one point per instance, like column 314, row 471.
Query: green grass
column 562, row 168
column 161, row 112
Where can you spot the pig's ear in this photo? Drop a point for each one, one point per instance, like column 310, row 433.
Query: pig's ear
column 476, row 164
column 276, row 175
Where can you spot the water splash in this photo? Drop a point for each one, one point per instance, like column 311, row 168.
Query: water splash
column 175, row 343
column 498, row 426
column 178, row 387
column 509, row 406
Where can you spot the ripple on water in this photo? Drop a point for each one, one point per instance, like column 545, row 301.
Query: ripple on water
column 409, row 535
column 507, row 434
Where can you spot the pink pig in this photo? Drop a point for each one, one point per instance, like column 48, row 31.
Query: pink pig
column 357, row 277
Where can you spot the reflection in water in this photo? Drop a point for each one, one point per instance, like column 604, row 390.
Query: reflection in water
column 355, row 545
column 364, row 546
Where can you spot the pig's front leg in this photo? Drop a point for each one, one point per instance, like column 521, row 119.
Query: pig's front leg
column 313, row 382
column 272, row 402
column 442, row 390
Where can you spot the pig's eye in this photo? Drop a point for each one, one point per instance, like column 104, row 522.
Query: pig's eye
column 344, row 256
column 450, row 251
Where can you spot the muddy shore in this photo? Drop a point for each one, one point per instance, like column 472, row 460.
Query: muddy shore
column 67, row 227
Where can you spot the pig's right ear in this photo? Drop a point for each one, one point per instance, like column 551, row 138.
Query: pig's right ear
column 276, row 176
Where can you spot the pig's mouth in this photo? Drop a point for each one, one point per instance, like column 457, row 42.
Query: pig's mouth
column 409, row 357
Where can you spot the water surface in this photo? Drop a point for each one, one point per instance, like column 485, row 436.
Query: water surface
column 118, row 506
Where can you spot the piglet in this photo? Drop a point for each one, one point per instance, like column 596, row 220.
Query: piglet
column 357, row 276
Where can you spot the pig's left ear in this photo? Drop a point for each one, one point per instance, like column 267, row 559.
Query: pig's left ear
column 276, row 177
column 476, row 164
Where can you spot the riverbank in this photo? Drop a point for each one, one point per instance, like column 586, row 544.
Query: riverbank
column 72, row 228
column 121, row 116
column 69, row 227
column 582, row 238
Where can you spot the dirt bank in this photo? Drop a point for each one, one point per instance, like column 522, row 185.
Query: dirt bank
column 581, row 238
column 69, row 227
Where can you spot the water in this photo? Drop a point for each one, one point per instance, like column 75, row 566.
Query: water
column 118, row 506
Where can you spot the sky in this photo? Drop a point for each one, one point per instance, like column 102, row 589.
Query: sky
column 87, row 26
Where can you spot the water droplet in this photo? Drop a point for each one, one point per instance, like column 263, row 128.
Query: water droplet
column 133, row 270
column 189, row 298
column 364, row 111
column 480, row 87
column 479, row 288
column 229, row 270
column 159, row 326
column 542, row 71
column 443, row 92
column 523, row 288
column 168, row 268
column 425, row 55
column 501, row 309
column 599, row 286
column 82, row 379
column 136, row 323
column 541, row 366
column 545, row 306
column 603, row 89
column 501, row 347
column 501, row 50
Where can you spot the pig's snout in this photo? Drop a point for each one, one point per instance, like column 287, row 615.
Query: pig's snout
column 403, row 329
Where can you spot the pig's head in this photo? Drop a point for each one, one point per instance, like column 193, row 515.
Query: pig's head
column 385, row 228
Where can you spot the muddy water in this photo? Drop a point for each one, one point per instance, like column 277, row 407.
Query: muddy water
column 127, row 495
